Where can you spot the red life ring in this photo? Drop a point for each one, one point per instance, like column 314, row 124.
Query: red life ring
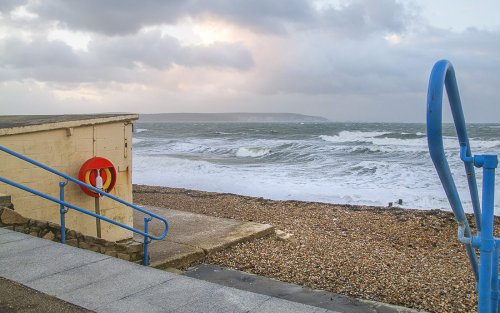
column 88, row 175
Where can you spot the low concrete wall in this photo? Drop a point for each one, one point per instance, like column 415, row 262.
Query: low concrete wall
column 129, row 250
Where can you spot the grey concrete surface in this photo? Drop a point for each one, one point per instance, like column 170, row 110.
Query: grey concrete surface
column 24, row 243
column 42, row 261
column 193, row 236
column 6, row 237
column 286, row 291
column 17, row 298
column 103, row 284
column 80, row 277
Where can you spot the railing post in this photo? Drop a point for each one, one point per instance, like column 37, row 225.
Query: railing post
column 146, row 241
column 62, row 211
column 488, row 283
column 498, row 285
column 494, row 282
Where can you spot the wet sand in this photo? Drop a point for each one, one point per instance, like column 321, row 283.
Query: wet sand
column 400, row 256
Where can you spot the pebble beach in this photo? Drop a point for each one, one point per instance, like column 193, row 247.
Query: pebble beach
column 399, row 256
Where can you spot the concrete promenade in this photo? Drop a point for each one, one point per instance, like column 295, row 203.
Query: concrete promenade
column 105, row 284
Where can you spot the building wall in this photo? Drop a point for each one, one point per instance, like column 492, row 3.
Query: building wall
column 66, row 150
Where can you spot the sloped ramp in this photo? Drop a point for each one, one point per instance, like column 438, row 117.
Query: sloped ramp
column 192, row 236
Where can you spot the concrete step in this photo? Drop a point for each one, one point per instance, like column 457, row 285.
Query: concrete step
column 105, row 284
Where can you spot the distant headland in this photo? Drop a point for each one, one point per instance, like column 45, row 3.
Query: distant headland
column 231, row 117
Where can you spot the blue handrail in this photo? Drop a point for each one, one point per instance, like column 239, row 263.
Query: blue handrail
column 443, row 74
column 486, row 273
column 63, row 204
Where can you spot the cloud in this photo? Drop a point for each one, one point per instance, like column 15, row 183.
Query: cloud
column 17, row 53
column 8, row 5
column 113, row 17
column 153, row 50
column 143, row 50
column 117, row 17
column 268, row 16
column 113, row 59
column 219, row 54
column 361, row 18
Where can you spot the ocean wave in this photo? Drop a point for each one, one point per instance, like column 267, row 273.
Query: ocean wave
column 252, row 152
column 199, row 146
column 421, row 142
column 484, row 144
column 375, row 138
column 388, row 139
column 369, row 164
column 403, row 135
column 224, row 133
column 358, row 149
column 352, row 136
column 140, row 130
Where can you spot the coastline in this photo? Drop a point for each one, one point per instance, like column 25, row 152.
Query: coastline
column 399, row 256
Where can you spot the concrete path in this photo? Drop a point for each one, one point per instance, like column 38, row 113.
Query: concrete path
column 193, row 236
column 105, row 284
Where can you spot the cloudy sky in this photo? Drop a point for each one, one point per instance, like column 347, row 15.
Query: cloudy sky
column 347, row 60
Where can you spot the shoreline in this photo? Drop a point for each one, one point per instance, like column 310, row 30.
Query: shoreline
column 407, row 257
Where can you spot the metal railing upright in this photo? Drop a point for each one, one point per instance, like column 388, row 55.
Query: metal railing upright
column 63, row 205
column 486, row 270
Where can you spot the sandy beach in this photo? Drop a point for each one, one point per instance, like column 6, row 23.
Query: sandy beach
column 400, row 256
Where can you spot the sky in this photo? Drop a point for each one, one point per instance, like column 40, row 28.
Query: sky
column 346, row 60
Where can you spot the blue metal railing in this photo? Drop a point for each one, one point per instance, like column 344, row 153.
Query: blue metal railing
column 486, row 271
column 63, row 205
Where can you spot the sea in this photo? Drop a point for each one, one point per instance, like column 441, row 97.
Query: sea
column 341, row 163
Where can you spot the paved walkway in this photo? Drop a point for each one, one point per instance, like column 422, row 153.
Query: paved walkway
column 192, row 236
column 105, row 284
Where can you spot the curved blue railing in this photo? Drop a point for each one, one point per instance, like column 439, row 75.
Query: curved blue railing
column 485, row 272
column 63, row 204
column 443, row 74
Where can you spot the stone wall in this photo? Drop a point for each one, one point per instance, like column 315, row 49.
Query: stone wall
column 129, row 250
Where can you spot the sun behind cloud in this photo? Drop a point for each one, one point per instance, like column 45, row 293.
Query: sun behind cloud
column 214, row 30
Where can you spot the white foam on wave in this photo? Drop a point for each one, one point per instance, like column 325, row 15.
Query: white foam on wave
column 370, row 182
column 376, row 142
column 197, row 146
column 352, row 136
column 140, row 130
column 416, row 142
column 252, row 152
column 484, row 144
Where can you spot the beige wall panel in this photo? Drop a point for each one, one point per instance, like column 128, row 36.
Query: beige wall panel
column 66, row 151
